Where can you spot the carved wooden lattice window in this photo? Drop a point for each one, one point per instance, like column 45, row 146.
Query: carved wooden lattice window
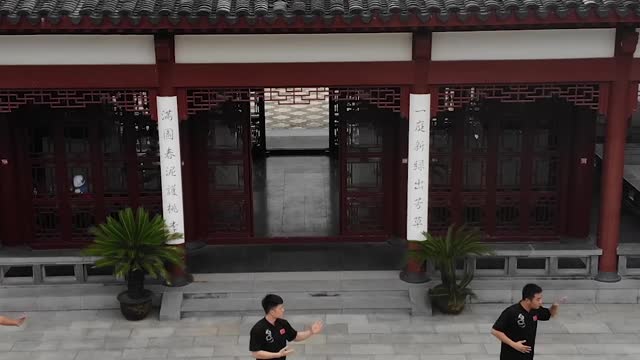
column 457, row 97
column 508, row 151
column 205, row 99
column 76, row 154
column 136, row 101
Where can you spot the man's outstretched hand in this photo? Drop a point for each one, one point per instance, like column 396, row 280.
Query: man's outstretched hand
column 21, row 319
column 13, row 322
column 317, row 327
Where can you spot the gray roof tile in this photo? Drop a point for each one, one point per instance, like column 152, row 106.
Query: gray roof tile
column 308, row 10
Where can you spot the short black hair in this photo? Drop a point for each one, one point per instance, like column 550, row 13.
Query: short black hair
column 529, row 291
column 270, row 301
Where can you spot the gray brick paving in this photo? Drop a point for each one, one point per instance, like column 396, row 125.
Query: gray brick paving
column 582, row 332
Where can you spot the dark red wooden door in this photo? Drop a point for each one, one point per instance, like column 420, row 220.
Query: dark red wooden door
column 223, row 172
column 366, row 151
column 78, row 166
column 60, row 174
column 40, row 145
column 500, row 168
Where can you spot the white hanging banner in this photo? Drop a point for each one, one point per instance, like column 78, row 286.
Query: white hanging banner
column 418, row 166
column 171, row 165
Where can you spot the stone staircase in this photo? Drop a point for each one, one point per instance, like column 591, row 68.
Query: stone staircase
column 304, row 293
column 327, row 292
column 365, row 292
column 298, row 302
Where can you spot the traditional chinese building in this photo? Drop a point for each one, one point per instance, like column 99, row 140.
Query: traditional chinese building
column 106, row 105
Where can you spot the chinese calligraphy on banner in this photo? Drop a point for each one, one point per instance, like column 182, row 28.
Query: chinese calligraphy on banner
column 171, row 165
column 418, row 166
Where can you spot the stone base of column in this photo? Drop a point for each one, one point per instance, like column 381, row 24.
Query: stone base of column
column 609, row 277
column 181, row 280
column 193, row 246
column 179, row 277
column 414, row 277
column 414, row 272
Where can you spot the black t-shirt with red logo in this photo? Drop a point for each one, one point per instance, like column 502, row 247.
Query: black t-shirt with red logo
column 271, row 338
column 519, row 324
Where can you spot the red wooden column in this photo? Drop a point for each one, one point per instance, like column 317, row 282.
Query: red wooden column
column 165, row 61
column 613, row 162
column 415, row 272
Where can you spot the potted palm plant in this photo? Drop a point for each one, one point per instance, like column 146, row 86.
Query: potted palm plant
column 445, row 251
column 135, row 245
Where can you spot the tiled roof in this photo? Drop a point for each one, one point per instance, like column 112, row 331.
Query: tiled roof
column 309, row 10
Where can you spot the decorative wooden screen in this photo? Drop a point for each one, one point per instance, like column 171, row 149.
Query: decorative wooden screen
column 355, row 114
column 334, row 126
column 497, row 158
column 258, row 127
column 135, row 101
column 458, row 97
column 442, row 135
column 222, row 144
column 366, row 150
column 147, row 178
column 204, row 99
column 77, row 159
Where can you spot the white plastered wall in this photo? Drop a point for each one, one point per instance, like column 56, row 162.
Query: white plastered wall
column 76, row 49
column 291, row 48
column 523, row 44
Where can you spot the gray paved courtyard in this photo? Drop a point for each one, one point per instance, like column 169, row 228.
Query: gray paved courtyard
column 598, row 332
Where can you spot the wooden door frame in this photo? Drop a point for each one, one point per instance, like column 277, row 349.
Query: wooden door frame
column 200, row 123
column 210, row 101
column 50, row 104
column 566, row 137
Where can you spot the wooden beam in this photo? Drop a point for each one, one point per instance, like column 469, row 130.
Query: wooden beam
column 421, row 55
column 165, row 62
column 395, row 73
column 77, row 76
column 293, row 74
column 635, row 70
column 522, row 71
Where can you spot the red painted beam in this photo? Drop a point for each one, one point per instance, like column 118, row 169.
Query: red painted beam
column 78, row 76
column 165, row 60
column 635, row 70
column 521, row 71
column 310, row 74
column 421, row 54
column 293, row 74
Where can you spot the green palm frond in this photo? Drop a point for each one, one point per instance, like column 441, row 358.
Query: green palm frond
column 135, row 241
column 444, row 251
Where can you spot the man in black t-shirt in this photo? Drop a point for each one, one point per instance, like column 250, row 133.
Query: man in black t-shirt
column 516, row 327
column 270, row 335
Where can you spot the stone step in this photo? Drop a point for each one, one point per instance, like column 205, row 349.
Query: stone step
column 310, row 292
column 315, row 286
column 337, row 301
column 65, row 297
column 332, row 292
column 577, row 291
